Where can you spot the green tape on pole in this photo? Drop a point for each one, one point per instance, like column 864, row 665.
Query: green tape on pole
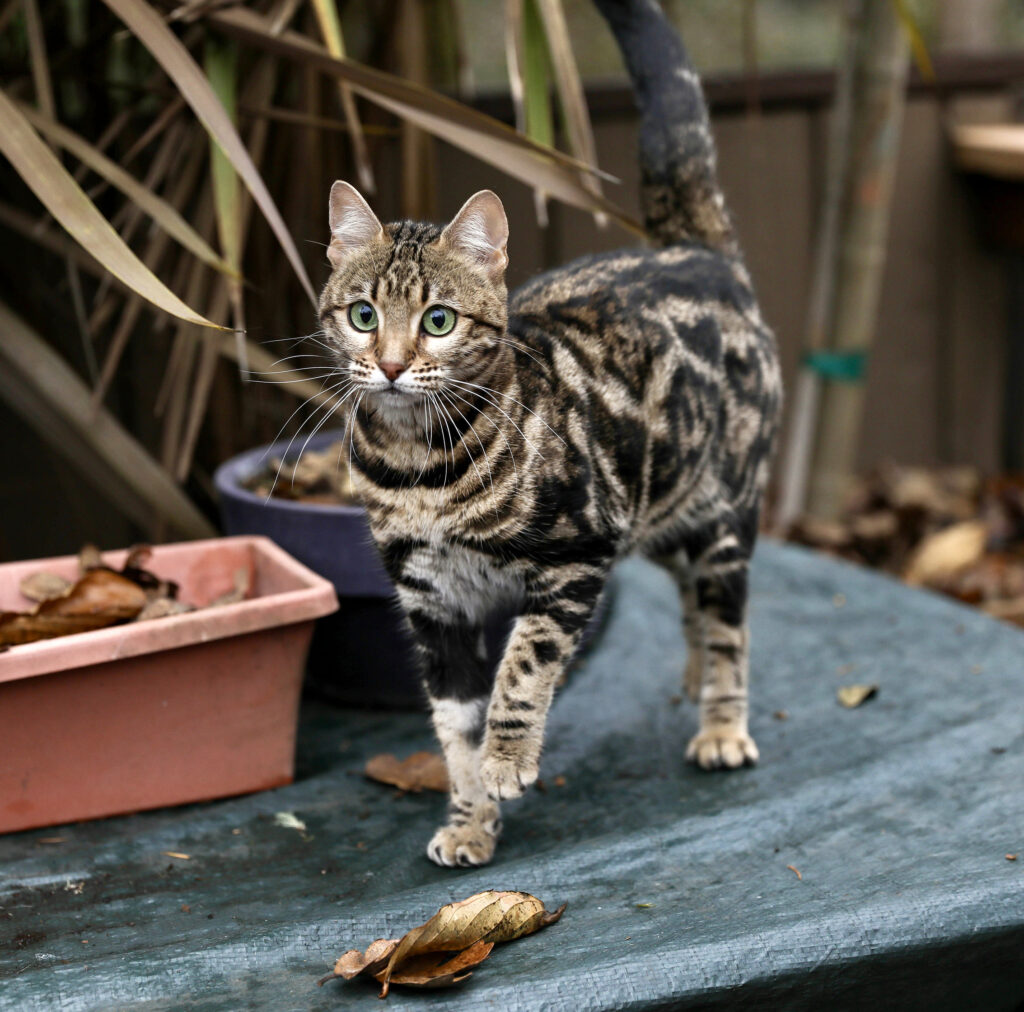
column 844, row 366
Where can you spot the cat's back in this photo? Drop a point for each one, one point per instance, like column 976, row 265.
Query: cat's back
column 622, row 311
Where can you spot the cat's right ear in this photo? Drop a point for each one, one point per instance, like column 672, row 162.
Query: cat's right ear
column 353, row 224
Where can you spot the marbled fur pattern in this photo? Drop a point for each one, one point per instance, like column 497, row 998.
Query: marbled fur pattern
column 624, row 402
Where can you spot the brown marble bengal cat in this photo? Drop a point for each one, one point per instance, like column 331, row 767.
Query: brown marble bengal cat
column 511, row 448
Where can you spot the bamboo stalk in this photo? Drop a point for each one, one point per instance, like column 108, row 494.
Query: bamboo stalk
column 879, row 89
column 796, row 457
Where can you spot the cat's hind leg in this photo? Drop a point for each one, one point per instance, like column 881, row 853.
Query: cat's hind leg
column 678, row 565
column 721, row 569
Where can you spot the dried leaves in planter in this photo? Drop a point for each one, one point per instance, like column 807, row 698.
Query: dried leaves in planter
column 444, row 950
column 316, row 477
column 101, row 597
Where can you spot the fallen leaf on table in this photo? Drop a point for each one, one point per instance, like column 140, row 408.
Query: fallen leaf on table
column 421, row 771
column 458, row 937
column 354, row 963
column 440, row 969
column 288, row 820
column 100, row 598
column 853, row 695
column 432, row 969
column 946, row 553
column 41, row 587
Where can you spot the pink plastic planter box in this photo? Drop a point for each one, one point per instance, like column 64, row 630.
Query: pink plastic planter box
column 161, row 712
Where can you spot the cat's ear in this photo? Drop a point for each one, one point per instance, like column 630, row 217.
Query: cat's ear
column 353, row 224
column 480, row 232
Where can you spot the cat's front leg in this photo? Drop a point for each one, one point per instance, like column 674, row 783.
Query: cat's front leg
column 559, row 604
column 455, row 678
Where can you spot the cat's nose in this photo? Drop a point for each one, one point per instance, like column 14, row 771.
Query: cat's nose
column 392, row 369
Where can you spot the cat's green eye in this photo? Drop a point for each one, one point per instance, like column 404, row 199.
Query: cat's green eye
column 438, row 320
column 363, row 315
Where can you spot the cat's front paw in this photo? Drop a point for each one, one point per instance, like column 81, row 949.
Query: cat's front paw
column 507, row 777
column 722, row 748
column 463, row 846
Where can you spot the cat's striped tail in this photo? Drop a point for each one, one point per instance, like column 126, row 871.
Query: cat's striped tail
column 680, row 196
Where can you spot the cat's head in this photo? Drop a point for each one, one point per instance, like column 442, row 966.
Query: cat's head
column 410, row 307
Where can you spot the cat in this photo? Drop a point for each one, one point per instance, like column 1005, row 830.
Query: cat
column 511, row 449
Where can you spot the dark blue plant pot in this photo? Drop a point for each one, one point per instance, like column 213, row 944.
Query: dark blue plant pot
column 362, row 655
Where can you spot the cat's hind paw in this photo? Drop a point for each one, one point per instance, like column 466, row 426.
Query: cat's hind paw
column 462, row 846
column 722, row 748
column 505, row 778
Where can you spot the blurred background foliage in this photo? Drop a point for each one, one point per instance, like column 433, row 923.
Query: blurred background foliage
column 230, row 218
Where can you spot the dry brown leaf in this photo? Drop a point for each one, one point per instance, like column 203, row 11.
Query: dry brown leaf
column 89, row 558
column 355, row 963
column 431, row 969
column 421, row 771
column 945, row 553
column 163, row 607
column 443, row 950
column 41, row 587
column 439, row 969
column 239, row 592
column 488, row 917
column 853, row 695
column 100, row 598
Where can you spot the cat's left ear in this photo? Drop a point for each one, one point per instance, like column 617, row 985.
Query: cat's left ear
column 480, row 232
column 352, row 222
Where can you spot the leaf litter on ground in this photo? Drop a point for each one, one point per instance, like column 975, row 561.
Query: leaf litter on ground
column 100, row 597
column 852, row 696
column 420, row 771
column 444, row 950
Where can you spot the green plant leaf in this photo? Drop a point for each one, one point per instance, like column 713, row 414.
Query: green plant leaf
column 330, row 28
column 166, row 216
column 916, row 39
column 482, row 136
column 221, row 63
column 573, row 102
column 148, row 26
column 41, row 171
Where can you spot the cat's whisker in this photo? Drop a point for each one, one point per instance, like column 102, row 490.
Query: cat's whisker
column 517, row 346
column 484, row 393
column 333, row 394
column 509, row 397
column 301, row 379
column 490, row 469
column 465, row 446
column 351, row 427
column 427, row 432
column 319, row 425
column 287, row 421
column 483, row 449
column 444, row 431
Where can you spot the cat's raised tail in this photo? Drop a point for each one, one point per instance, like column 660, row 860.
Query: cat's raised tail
column 681, row 198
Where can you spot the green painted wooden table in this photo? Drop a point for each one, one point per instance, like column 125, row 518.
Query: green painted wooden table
column 898, row 816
